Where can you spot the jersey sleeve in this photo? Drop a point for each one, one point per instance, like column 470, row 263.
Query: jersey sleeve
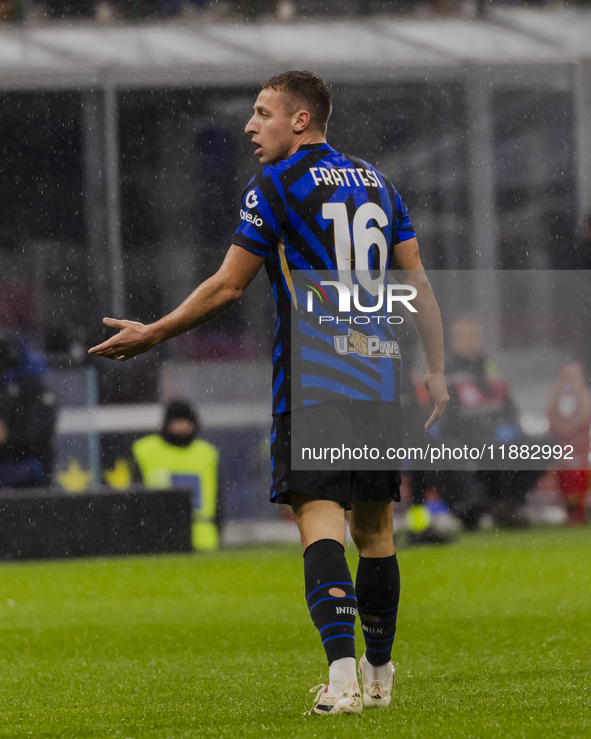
column 403, row 228
column 260, row 214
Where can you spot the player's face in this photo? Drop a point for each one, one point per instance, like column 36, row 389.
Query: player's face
column 271, row 129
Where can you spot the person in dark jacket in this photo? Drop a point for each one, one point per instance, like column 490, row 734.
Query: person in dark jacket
column 28, row 411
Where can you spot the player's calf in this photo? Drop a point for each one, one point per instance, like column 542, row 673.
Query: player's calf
column 330, row 596
column 331, row 600
column 378, row 594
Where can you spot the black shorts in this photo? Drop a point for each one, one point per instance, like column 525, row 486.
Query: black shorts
column 336, row 422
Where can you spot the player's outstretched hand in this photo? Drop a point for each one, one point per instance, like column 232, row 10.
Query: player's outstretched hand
column 435, row 384
column 133, row 338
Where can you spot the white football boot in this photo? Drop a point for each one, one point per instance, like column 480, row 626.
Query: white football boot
column 376, row 693
column 349, row 701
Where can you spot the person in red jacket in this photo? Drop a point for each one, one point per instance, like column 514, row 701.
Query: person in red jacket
column 569, row 414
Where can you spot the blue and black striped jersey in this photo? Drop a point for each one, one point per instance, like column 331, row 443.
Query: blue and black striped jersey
column 324, row 216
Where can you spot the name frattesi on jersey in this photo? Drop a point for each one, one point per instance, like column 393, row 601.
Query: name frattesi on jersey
column 339, row 176
column 335, row 176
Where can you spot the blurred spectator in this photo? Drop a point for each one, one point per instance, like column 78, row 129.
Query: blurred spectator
column 176, row 457
column 480, row 411
column 481, row 408
column 27, row 417
column 569, row 414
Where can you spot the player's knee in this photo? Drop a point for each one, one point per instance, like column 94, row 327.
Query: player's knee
column 374, row 535
column 359, row 537
column 374, row 545
column 364, row 537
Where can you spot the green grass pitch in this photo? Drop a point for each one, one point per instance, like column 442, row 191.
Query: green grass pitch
column 494, row 640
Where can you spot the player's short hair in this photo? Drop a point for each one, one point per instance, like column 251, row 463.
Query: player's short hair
column 304, row 89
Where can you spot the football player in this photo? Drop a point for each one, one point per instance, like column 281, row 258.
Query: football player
column 310, row 210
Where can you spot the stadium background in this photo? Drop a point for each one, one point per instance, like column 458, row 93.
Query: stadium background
column 123, row 159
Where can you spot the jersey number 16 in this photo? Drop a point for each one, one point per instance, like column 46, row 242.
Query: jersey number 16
column 364, row 237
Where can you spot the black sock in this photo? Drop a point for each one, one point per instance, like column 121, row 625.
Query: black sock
column 378, row 591
column 331, row 597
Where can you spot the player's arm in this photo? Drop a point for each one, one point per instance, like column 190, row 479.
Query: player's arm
column 427, row 321
column 210, row 299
